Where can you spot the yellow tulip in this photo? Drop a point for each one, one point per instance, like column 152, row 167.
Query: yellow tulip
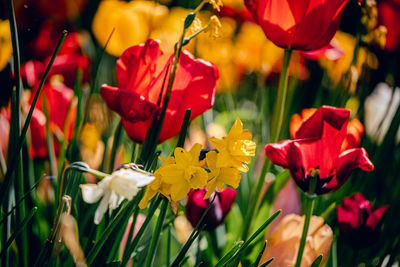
column 132, row 23
column 337, row 68
column 5, row 43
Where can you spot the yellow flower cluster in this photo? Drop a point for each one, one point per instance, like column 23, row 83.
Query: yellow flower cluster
column 184, row 171
column 131, row 23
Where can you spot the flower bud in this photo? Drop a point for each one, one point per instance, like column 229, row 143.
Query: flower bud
column 358, row 224
column 196, row 205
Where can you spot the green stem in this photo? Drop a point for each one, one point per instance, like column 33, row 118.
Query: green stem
column 309, row 208
column 14, row 156
column 131, row 246
column 157, row 231
column 115, row 145
column 277, row 121
column 168, row 261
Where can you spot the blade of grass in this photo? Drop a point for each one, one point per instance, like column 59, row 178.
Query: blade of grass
column 256, row 233
column 229, row 254
column 195, row 233
column 14, row 156
column 156, row 234
column 18, row 231
column 130, row 247
column 257, row 262
column 317, row 261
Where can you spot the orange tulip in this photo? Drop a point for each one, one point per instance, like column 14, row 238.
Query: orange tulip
column 283, row 244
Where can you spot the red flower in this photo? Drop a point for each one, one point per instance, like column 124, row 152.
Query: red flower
column 388, row 14
column 141, row 71
column 67, row 62
column 58, row 99
column 317, row 146
column 196, row 205
column 303, row 25
column 355, row 129
column 358, row 224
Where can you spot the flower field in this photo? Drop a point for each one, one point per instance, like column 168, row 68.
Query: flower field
column 199, row 133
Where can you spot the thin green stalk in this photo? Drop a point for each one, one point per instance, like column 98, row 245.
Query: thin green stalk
column 168, row 253
column 277, row 121
column 115, row 145
column 14, row 156
column 131, row 246
column 49, row 139
column 157, row 231
column 309, row 208
column 19, row 228
column 195, row 233
column 152, row 138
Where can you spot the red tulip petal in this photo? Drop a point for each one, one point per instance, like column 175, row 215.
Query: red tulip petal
column 278, row 152
column 194, row 87
column 142, row 69
column 227, row 197
column 375, row 219
column 129, row 105
column 313, row 127
column 349, row 214
column 348, row 161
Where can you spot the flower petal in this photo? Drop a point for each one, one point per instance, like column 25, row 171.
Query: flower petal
column 347, row 162
column 91, row 193
column 376, row 218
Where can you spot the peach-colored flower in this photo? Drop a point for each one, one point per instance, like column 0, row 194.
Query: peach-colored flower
column 283, row 244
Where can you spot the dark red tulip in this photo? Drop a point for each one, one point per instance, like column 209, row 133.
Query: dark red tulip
column 316, row 150
column 388, row 15
column 45, row 43
column 141, row 71
column 67, row 62
column 303, row 25
column 358, row 224
column 196, row 205
column 58, row 98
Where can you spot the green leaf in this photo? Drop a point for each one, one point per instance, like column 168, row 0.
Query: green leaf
column 18, row 231
column 120, row 218
column 256, row 263
column 230, row 254
column 317, row 261
column 256, row 233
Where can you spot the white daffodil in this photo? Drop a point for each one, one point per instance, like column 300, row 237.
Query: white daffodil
column 380, row 108
column 114, row 188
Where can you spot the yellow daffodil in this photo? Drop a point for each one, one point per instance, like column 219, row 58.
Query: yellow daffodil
column 5, row 43
column 235, row 149
column 217, row 177
column 132, row 23
column 186, row 173
column 158, row 185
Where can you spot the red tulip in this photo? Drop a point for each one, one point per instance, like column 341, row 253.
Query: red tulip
column 317, row 149
column 303, row 25
column 58, row 98
column 388, row 15
column 358, row 224
column 196, row 205
column 140, row 73
column 67, row 62
column 65, row 65
column 45, row 43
